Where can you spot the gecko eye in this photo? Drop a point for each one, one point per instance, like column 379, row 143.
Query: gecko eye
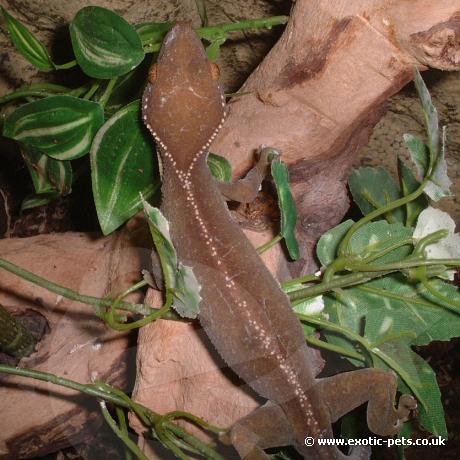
column 153, row 72
column 215, row 71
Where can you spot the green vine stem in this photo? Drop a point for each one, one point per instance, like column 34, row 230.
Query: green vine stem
column 372, row 349
column 121, row 433
column 352, row 279
column 343, row 249
column 312, row 340
column 213, row 33
column 301, row 280
column 98, row 303
column 419, row 249
column 35, row 90
column 269, row 244
column 66, row 65
column 108, row 393
column 108, row 91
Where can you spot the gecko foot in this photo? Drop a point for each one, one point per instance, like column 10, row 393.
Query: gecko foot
column 406, row 406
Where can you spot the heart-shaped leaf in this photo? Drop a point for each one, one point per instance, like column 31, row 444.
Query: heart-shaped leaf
column 104, row 44
column 63, row 127
column 123, row 165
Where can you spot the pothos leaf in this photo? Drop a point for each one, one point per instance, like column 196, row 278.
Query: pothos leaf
column 62, row 127
column 105, row 45
column 287, row 206
column 27, row 44
column 178, row 277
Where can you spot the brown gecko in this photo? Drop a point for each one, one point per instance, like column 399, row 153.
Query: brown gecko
column 243, row 310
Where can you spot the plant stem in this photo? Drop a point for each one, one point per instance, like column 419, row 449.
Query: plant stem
column 262, row 23
column 66, row 65
column 269, row 244
column 108, row 91
column 340, row 282
column 343, row 247
column 312, row 340
column 36, row 90
column 404, row 264
column 73, row 295
column 120, row 433
column 301, row 280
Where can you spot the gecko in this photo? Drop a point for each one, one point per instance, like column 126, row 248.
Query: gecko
column 243, row 310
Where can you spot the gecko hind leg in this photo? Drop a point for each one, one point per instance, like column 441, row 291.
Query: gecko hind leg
column 245, row 190
column 344, row 392
column 266, row 427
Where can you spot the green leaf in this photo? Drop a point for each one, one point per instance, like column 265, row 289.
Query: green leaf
column 394, row 315
column 430, row 160
column 123, row 165
column 287, row 206
column 374, row 187
column 35, row 200
column 62, row 127
column 48, row 174
column 60, row 175
column 37, row 164
column 152, row 33
column 178, row 277
column 408, row 185
column 419, row 153
column 105, row 45
column 220, row 167
column 327, row 246
column 27, row 44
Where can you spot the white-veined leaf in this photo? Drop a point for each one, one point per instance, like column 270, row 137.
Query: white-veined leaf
column 27, row 44
column 123, row 165
column 62, row 127
column 105, row 45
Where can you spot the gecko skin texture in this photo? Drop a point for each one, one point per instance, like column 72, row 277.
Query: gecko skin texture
column 243, row 311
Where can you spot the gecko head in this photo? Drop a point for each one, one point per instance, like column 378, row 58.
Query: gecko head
column 183, row 105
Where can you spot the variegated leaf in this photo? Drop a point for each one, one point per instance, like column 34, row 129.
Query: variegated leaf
column 123, row 165
column 62, row 127
column 105, row 45
column 27, row 44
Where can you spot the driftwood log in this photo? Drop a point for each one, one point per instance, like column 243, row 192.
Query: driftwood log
column 316, row 97
column 38, row 418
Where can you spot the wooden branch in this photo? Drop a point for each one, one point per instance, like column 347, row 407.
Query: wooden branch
column 318, row 93
column 38, row 418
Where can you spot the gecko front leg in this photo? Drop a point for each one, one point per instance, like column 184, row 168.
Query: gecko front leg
column 245, row 190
